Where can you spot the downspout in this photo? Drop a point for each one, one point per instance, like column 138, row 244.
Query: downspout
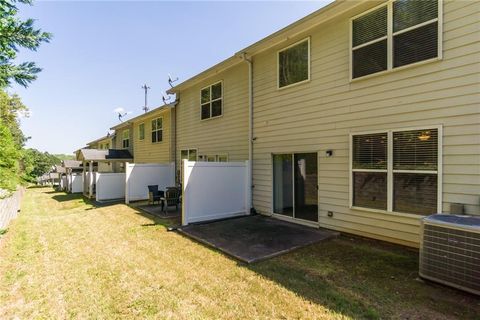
column 174, row 146
column 250, row 125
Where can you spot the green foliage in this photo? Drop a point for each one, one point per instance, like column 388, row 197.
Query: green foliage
column 11, row 107
column 65, row 156
column 9, row 156
column 36, row 163
column 18, row 165
column 16, row 34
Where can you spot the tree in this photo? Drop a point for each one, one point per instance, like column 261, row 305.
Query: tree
column 9, row 156
column 15, row 33
column 11, row 107
column 36, row 163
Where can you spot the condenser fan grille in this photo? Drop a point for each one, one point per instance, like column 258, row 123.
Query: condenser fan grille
column 451, row 256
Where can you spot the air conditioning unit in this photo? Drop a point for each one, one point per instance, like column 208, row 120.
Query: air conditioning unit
column 450, row 251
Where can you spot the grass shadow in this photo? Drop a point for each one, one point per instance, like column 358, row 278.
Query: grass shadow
column 156, row 220
column 62, row 196
column 54, row 192
column 37, row 187
column 365, row 279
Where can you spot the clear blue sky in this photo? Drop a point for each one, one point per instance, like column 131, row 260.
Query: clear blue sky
column 102, row 52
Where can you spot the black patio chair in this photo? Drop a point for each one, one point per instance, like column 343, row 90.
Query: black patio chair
column 155, row 195
column 172, row 197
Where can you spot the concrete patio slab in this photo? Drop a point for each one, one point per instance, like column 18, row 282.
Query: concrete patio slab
column 254, row 238
column 156, row 210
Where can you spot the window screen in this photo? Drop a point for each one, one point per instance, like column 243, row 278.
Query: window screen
column 293, row 64
column 413, row 33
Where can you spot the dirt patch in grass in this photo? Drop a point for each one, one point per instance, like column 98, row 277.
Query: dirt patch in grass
column 64, row 257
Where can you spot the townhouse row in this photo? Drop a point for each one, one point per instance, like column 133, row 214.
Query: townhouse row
column 362, row 117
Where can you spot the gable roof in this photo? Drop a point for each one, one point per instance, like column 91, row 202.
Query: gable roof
column 144, row 115
column 72, row 164
column 108, row 136
column 59, row 169
column 105, row 154
column 310, row 21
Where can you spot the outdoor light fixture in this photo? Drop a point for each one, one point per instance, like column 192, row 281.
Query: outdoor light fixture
column 329, row 153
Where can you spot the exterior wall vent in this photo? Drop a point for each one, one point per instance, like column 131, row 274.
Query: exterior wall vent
column 450, row 251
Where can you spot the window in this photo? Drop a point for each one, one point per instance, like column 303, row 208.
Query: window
column 188, row 154
column 101, row 146
column 157, row 130
column 396, row 34
column 126, row 139
column 294, row 64
column 213, row 158
column 222, row 158
column 107, row 146
column 141, row 131
column 211, row 99
column 397, row 171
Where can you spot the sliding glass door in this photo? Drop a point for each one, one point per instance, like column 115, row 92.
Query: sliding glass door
column 295, row 185
column 283, row 184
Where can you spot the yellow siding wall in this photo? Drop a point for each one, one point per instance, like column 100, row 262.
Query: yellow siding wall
column 145, row 150
column 227, row 134
column 320, row 114
column 119, row 138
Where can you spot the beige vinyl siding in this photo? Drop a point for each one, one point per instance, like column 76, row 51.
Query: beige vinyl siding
column 157, row 152
column 225, row 135
column 118, row 142
column 320, row 114
column 119, row 138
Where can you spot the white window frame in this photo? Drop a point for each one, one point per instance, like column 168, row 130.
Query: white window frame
column 126, row 139
column 389, row 37
column 222, row 155
column 309, row 64
column 188, row 153
column 390, row 171
column 139, row 131
column 156, row 130
column 211, row 101
column 204, row 157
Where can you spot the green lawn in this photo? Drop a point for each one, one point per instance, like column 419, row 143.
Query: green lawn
column 66, row 258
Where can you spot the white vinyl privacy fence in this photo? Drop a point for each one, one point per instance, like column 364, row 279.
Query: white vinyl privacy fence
column 109, row 186
column 215, row 190
column 63, row 182
column 140, row 176
column 75, row 183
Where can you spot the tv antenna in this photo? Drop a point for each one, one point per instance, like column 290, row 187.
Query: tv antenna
column 121, row 115
column 166, row 98
column 146, row 88
column 172, row 81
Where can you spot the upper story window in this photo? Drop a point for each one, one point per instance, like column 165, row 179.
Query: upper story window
column 396, row 34
column 397, row 171
column 294, row 64
column 211, row 100
column 141, row 131
column 126, row 139
column 157, row 130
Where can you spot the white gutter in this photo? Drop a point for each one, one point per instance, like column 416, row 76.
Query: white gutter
column 250, row 124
